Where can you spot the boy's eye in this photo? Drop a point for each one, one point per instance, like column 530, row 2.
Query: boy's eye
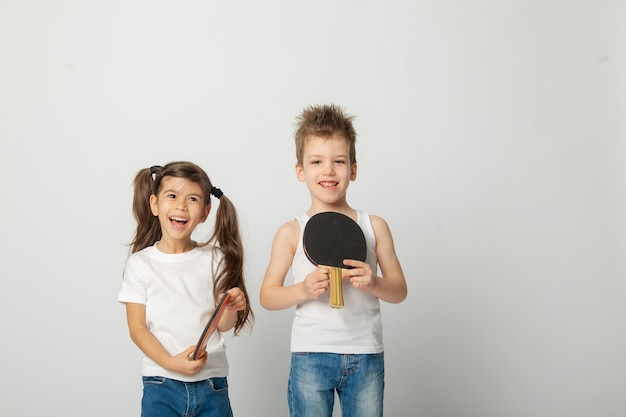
column 340, row 161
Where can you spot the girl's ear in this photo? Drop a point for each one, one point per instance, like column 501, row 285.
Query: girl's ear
column 205, row 213
column 154, row 207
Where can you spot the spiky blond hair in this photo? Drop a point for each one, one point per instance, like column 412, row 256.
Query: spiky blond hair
column 324, row 120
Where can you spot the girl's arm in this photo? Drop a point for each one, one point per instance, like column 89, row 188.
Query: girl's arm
column 274, row 295
column 237, row 302
column 391, row 287
column 152, row 348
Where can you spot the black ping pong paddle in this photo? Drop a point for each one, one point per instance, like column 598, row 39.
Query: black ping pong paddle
column 329, row 238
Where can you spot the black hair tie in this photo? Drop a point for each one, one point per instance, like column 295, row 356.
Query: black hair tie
column 155, row 170
column 216, row 192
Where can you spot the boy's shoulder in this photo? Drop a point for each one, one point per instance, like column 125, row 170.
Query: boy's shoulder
column 287, row 237
column 374, row 218
column 380, row 226
column 289, row 228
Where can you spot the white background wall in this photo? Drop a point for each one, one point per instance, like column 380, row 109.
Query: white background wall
column 491, row 138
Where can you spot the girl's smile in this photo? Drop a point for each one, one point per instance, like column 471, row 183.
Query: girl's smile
column 180, row 207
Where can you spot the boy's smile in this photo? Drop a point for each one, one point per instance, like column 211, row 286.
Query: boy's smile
column 327, row 184
column 326, row 168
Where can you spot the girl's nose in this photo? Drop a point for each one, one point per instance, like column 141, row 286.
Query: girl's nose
column 181, row 204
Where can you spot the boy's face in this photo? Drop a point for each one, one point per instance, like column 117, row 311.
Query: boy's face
column 326, row 168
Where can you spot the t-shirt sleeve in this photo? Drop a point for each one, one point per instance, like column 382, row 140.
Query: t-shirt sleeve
column 133, row 285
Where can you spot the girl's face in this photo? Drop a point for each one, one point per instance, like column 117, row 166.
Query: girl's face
column 326, row 168
column 180, row 207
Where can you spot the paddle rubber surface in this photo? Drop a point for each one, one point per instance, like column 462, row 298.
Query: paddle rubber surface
column 331, row 237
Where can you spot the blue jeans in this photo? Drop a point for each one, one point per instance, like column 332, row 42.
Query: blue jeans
column 358, row 379
column 164, row 397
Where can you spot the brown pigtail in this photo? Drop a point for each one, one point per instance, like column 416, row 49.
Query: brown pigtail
column 148, row 228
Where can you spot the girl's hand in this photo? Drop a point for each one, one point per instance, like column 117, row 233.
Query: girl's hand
column 237, row 299
column 316, row 283
column 182, row 363
column 360, row 276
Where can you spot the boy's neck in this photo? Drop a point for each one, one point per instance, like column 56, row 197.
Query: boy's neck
column 342, row 208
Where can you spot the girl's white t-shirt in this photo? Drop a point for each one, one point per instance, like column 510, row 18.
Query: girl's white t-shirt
column 177, row 290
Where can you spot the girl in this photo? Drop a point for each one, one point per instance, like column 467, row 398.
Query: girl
column 170, row 287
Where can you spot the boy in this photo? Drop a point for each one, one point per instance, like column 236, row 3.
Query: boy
column 333, row 349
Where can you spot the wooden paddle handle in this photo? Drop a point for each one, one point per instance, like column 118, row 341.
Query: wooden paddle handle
column 336, row 286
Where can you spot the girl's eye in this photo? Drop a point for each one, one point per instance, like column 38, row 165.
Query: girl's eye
column 171, row 195
column 340, row 161
column 194, row 199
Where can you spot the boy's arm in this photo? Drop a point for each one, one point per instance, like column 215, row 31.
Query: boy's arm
column 276, row 296
column 391, row 287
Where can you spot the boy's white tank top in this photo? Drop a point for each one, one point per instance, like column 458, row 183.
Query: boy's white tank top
column 356, row 328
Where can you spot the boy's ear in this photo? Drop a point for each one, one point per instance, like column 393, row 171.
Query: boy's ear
column 353, row 172
column 154, row 207
column 299, row 172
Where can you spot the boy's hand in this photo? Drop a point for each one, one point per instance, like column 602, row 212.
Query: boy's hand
column 182, row 363
column 360, row 276
column 316, row 283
